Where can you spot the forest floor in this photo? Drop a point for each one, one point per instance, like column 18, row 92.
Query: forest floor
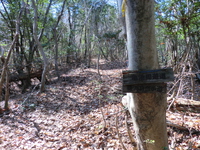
column 84, row 111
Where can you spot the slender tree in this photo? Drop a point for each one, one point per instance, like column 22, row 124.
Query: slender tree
column 45, row 60
column 56, row 39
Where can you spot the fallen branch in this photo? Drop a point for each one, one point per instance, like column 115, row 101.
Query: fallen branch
column 169, row 123
column 182, row 104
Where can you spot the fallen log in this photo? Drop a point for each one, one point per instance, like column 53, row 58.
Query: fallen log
column 182, row 104
column 24, row 76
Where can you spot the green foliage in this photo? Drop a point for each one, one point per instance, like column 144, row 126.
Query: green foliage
column 175, row 15
column 40, row 2
column 111, row 35
column 150, row 141
column 3, row 44
column 177, row 23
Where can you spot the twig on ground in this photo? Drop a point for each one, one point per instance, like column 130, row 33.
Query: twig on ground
column 103, row 117
column 120, row 140
column 171, row 104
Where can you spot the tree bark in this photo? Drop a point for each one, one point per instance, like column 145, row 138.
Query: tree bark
column 7, row 94
column 45, row 60
column 148, row 110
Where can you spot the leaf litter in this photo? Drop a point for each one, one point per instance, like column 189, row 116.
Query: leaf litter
column 80, row 112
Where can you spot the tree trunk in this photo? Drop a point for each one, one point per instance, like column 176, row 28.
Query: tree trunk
column 39, row 46
column 56, row 53
column 56, row 40
column 148, row 110
column 7, row 94
column 5, row 65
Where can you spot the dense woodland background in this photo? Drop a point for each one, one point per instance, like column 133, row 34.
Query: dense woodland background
column 78, row 49
column 75, row 31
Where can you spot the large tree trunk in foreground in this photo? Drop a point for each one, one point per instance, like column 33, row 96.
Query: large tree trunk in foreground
column 148, row 110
